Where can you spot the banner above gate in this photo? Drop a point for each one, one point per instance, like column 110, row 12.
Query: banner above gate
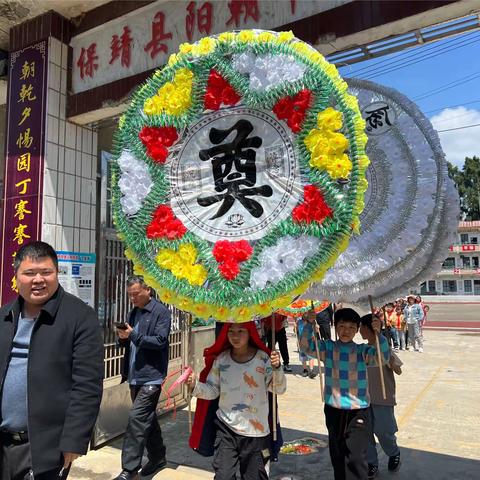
column 143, row 39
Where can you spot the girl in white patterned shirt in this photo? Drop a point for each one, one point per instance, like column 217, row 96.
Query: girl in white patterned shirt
column 240, row 377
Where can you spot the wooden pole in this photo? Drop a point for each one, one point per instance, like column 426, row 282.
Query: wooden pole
column 320, row 376
column 379, row 354
column 296, row 334
column 189, row 360
column 274, row 386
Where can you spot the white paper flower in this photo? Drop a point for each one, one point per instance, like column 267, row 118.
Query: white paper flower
column 135, row 182
column 268, row 71
column 286, row 256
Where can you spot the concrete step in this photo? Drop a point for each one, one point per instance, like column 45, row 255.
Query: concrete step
column 183, row 473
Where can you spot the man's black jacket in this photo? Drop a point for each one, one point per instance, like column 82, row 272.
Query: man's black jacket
column 151, row 342
column 64, row 376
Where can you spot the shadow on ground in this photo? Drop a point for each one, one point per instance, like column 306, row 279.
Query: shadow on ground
column 416, row 464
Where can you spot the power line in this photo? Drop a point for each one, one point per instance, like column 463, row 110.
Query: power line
column 447, row 86
column 452, row 106
column 459, row 128
column 401, row 64
column 425, row 49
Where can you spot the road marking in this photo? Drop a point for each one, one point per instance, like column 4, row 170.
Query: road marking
column 414, row 403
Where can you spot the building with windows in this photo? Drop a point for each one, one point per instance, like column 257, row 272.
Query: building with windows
column 460, row 273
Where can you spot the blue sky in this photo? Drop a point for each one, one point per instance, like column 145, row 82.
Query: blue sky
column 451, row 65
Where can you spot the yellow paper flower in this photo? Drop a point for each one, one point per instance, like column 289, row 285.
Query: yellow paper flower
column 173, row 98
column 185, row 48
column 285, row 37
column 316, row 57
column 182, row 263
column 363, row 162
column 359, row 205
column 351, row 101
column 327, row 146
column 302, row 48
column 265, row 37
column 172, row 59
column 362, row 185
column 226, row 37
column 205, row 46
column 329, row 119
column 246, row 36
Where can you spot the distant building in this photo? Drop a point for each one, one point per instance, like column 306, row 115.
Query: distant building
column 460, row 274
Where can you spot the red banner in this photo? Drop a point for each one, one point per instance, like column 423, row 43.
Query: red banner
column 23, row 188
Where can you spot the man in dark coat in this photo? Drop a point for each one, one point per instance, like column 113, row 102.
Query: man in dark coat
column 145, row 336
column 51, row 364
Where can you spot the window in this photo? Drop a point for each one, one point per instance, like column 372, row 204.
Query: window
column 449, row 286
column 474, row 262
column 431, row 286
column 467, row 286
column 465, row 261
column 449, row 262
column 474, row 240
column 423, row 288
column 464, row 238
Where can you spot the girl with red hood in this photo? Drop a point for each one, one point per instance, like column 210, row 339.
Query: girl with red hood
column 232, row 394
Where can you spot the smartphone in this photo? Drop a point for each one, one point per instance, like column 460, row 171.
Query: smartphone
column 121, row 325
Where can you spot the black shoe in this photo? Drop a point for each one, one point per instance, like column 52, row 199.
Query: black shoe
column 372, row 471
column 312, row 374
column 287, row 368
column 150, row 468
column 394, row 463
column 126, row 475
column 305, row 373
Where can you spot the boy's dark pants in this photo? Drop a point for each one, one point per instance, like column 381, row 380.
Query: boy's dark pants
column 348, row 442
column 232, row 450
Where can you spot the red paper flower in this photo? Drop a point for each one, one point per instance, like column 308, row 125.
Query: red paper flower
column 313, row 209
column 165, row 224
column 219, row 91
column 229, row 255
column 293, row 109
column 156, row 140
column 229, row 269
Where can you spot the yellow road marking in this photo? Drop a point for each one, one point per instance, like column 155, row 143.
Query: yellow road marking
column 413, row 405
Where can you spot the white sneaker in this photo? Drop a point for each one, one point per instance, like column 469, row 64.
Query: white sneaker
column 411, row 349
column 420, row 350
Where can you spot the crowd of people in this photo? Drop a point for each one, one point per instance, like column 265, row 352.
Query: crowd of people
column 233, row 420
column 403, row 322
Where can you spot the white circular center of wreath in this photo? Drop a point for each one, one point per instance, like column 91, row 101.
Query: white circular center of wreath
column 236, row 175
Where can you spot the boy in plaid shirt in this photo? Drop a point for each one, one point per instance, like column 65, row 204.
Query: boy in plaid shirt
column 346, row 393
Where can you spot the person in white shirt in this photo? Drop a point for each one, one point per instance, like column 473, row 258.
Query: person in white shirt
column 241, row 377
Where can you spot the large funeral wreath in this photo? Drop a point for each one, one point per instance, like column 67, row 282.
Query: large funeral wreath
column 239, row 174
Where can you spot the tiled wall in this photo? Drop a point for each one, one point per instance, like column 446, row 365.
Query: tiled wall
column 69, row 195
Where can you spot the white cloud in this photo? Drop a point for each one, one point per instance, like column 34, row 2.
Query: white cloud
column 458, row 144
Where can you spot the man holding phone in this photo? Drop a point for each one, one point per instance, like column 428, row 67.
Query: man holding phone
column 145, row 338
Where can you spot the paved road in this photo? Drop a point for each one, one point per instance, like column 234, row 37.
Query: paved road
column 437, row 414
column 454, row 315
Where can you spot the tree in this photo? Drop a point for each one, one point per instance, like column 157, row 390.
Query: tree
column 467, row 181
